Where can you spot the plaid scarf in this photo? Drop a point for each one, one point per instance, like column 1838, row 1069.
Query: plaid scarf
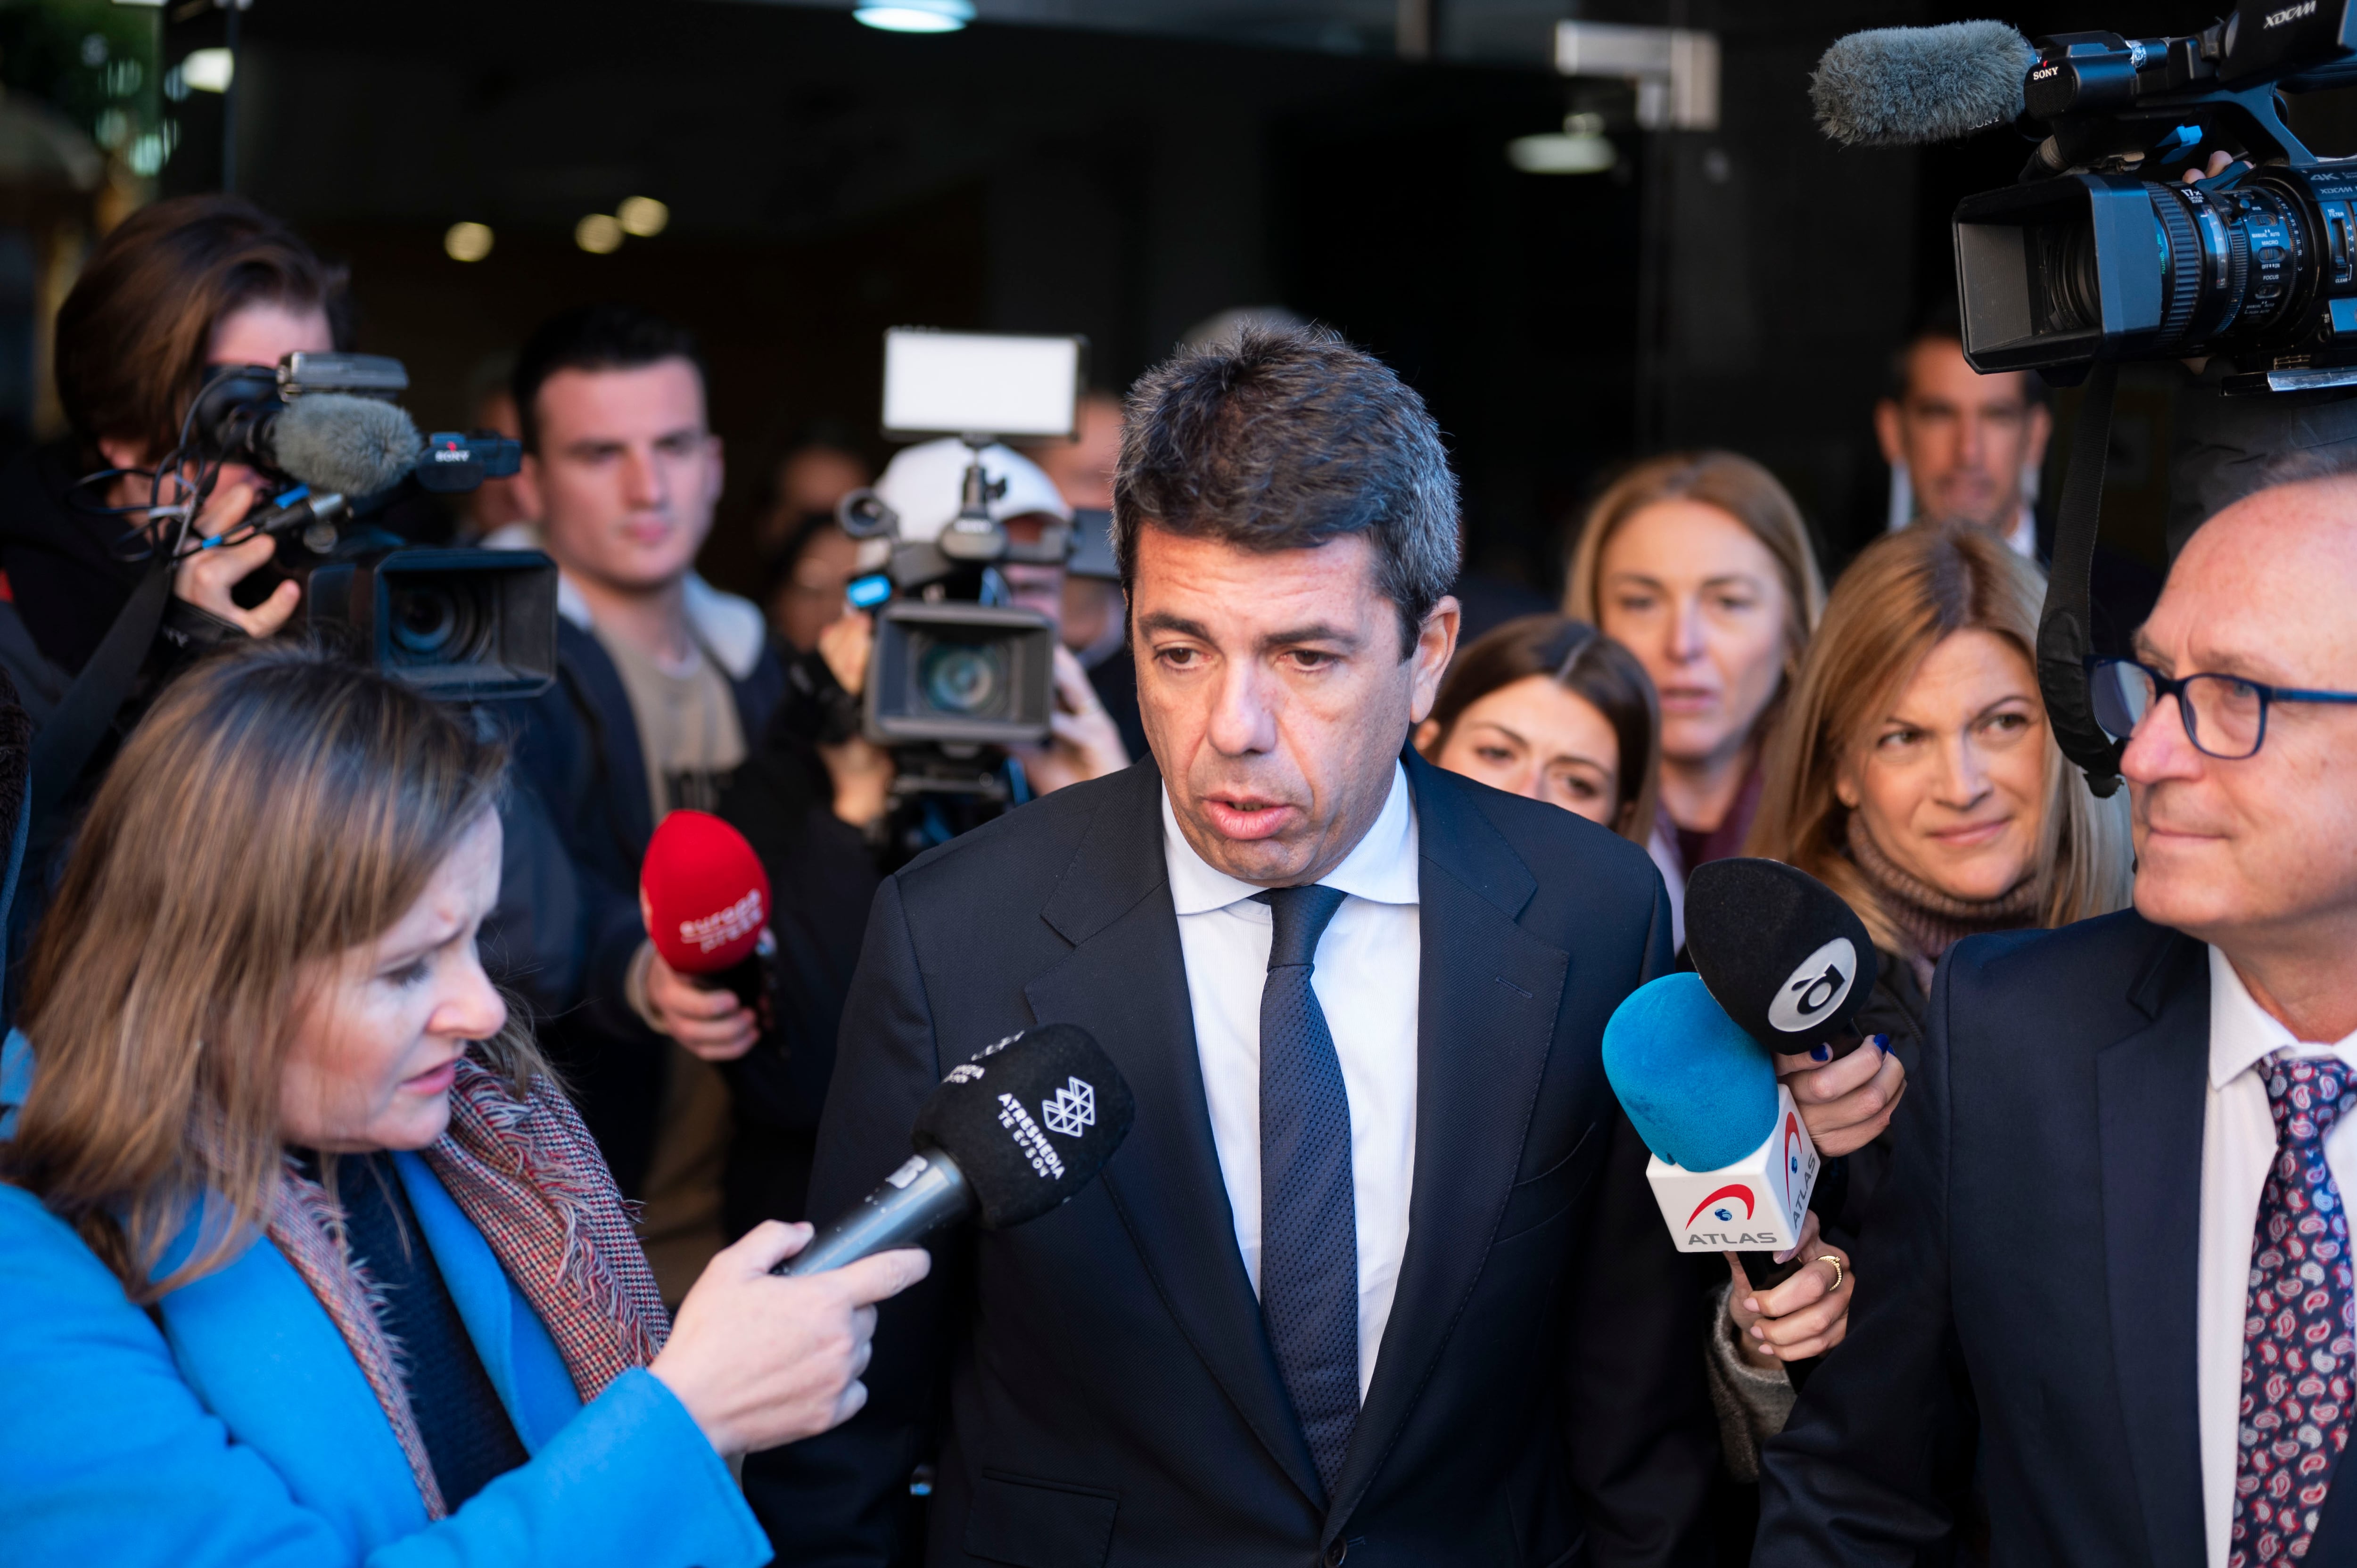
column 528, row 1176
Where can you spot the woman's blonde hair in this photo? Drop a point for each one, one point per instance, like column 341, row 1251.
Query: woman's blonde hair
column 275, row 807
column 1728, row 482
column 1898, row 600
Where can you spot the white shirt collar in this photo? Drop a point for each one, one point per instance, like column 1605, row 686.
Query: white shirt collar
column 2243, row 1032
column 1381, row 867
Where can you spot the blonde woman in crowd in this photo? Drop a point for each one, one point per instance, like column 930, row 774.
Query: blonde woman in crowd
column 1699, row 563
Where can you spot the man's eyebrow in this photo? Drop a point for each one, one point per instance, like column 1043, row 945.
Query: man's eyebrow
column 1315, row 631
column 1163, row 620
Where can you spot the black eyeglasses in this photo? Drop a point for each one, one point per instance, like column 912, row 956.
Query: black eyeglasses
column 2225, row 716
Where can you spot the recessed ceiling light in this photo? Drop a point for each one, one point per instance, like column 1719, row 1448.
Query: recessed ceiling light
column 467, row 242
column 917, row 16
column 598, row 234
column 642, row 216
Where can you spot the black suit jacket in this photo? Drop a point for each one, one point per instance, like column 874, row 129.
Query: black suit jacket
column 1109, row 1393
column 2041, row 1227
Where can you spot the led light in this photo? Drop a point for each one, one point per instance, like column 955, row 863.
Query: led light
column 209, row 70
column 642, row 216
column 598, row 234
column 467, row 242
column 917, row 16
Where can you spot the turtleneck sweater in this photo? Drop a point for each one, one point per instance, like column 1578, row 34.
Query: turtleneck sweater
column 1932, row 921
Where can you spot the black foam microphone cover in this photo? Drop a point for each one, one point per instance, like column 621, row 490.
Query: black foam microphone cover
column 1788, row 960
column 1028, row 1120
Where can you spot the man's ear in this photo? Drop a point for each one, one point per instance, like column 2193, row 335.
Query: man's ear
column 527, row 483
column 2041, row 431
column 1427, row 735
column 1891, row 432
column 1435, row 645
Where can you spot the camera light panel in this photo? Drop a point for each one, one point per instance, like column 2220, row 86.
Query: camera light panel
column 980, row 383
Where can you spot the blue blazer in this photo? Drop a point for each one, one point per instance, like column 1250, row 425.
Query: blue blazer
column 239, row 1431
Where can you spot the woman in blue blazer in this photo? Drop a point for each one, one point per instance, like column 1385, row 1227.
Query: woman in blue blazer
column 304, row 1257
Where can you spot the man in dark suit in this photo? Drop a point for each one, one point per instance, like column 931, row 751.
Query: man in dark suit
column 2114, row 1224
column 1376, row 1274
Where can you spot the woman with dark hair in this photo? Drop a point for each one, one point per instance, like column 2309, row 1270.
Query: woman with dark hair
column 175, row 290
column 1548, row 708
column 304, row 1257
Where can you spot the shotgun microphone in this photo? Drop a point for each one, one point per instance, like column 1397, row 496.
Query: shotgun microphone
column 1896, row 87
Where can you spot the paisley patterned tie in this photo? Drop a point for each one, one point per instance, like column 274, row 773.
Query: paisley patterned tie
column 2299, row 1338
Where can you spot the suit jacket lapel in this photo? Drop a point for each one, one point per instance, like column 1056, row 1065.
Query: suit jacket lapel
column 1125, row 983
column 1486, row 1009
column 2150, row 1108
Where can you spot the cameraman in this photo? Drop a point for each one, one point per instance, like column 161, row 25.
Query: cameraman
column 923, row 485
column 176, row 289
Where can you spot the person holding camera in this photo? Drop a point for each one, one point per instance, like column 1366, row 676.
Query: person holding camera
column 304, row 1257
column 175, row 290
column 2113, row 1227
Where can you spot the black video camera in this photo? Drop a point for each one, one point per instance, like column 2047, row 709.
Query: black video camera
column 2103, row 251
column 956, row 668
column 464, row 625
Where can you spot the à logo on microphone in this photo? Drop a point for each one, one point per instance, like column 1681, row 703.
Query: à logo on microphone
column 718, row 930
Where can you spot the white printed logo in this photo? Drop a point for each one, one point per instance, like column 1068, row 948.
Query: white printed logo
column 964, row 1072
column 1815, row 988
column 1074, row 1109
column 719, row 930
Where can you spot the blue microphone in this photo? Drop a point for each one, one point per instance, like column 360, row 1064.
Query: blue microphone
column 1733, row 1167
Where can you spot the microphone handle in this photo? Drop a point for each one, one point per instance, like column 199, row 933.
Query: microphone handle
column 753, row 979
column 925, row 1194
column 1765, row 1273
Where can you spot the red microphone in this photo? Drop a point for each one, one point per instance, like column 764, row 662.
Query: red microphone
column 705, row 900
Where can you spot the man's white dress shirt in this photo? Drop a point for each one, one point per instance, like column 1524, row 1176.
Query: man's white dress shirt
column 1367, row 984
column 2238, row 1143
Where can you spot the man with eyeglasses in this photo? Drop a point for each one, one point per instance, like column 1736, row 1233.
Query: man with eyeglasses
column 2115, row 1236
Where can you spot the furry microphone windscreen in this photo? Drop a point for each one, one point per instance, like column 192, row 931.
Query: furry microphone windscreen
column 1790, row 962
column 1028, row 1120
column 352, row 445
column 1897, row 87
column 1700, row 1091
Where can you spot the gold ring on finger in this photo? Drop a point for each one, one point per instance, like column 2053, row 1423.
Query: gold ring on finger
column 1840, row 1272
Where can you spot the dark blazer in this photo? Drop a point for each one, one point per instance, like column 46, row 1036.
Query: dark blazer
column 576, row 747
column 1111, row 1396
column 2041, row 1225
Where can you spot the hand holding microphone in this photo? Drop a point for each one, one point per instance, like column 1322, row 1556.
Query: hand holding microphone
column 1782, row 965
column 1748, row 922
column 1007, row 1137
column 711, row 981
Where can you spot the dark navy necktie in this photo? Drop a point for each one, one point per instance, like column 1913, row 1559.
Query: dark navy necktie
column 1308, row 1218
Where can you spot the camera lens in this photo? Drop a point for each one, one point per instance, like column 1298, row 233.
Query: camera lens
column 437, row 623
column 2069, row 286
column 962, row 678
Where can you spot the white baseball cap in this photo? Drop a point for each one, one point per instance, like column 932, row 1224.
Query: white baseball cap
column 926, row 484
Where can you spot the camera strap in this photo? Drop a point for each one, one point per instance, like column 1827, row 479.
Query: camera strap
column 2064, row 639
column 87, row 708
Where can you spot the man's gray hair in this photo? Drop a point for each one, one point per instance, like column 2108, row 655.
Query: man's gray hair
column 1281, row 439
